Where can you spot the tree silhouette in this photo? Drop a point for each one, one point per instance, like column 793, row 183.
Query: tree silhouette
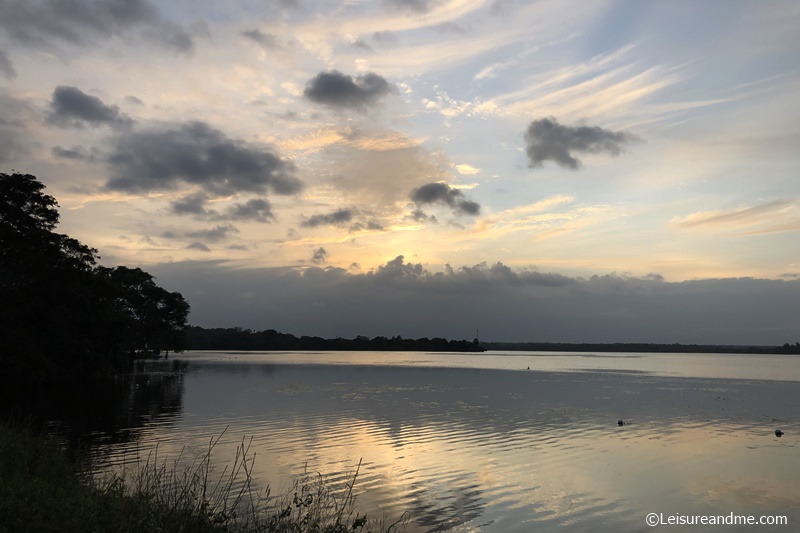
column 61, row 316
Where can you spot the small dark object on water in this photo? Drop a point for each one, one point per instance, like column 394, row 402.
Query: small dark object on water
column 620, row 422
column 778, row 432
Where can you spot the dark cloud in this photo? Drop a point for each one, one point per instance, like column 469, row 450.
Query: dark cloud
column 195, row 153
column 193, row 204
column 339, row 90
column 257, row 209
column 6, row 66
column 370, row 225
column 133, row 100
column 76, row 153
column 335, row 218
column 198, row 246
column 72, row 108
column 441, row 193
column 418, row 215
column 80, row 22
column 546, row 139
column 408, row 299
column 319, row 256
column 215, row 234
column 267, row 40
column 172, row 36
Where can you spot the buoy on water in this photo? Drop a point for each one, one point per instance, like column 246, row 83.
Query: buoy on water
column 778, row 432
column 620, row 422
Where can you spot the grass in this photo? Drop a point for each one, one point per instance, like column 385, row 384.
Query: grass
column 40, row 491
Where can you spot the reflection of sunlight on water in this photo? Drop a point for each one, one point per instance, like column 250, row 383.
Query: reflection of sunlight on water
column 725, row 366
column 467, row 449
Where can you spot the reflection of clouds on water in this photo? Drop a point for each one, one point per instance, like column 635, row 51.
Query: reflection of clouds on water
column 498, row 450
column 461, row 448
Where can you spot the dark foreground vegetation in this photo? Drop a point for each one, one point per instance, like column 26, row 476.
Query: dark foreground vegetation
column 640, row 347
column 245, row 339
column 63, row 317
column 42, row 492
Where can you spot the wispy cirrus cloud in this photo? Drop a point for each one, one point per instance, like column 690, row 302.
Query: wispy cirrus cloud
column 777, row 216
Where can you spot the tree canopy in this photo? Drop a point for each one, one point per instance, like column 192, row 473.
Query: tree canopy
column 60, row 313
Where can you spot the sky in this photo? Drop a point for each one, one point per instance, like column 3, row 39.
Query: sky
column 539, row 170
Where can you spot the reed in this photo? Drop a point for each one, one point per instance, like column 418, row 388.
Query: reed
column 41, row 491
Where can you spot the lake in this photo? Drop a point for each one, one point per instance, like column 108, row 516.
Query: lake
column 514, row 441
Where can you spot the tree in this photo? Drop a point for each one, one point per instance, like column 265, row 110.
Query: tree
column 60, row 315
column 154, row 318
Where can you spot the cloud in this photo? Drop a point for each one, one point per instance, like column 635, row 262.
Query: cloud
column 319, row 256
column 15, row 138
column 409, row 299
column 441, row 193
column 76, row 153
column 413, row 6
column 193, row 204
column 267, row 40
column 335, row 218
column 500, row 6
column 257, row 209
column 380, row 176
column 370, row 225
column 163, row 158
column 6, row 66
column 546, row 139
column 465, row 169
column 79, row 22
column 418, row 215
column 198, row 246
column 735, row 217
column 133, row 100
column 358, row 43
column 215, row 234
column 338, row 90
column 72, row 108
column 384, row 37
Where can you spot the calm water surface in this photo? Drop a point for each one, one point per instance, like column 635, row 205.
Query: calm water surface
column 491, row 442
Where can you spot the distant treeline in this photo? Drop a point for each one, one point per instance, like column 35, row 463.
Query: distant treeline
column 244, row 339
column 639, row 347
column 199, row 338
